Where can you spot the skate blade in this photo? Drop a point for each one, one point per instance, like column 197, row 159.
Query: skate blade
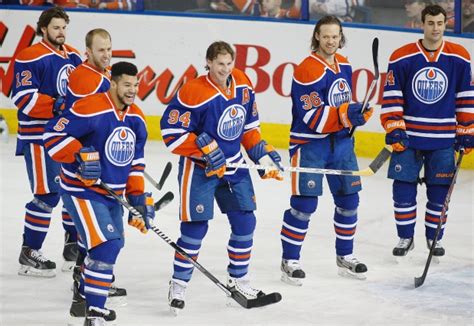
column 117, row 301
column 34, row 272
column 344, row 272
column 291, row 280
column 68, row 266
column 175, row 311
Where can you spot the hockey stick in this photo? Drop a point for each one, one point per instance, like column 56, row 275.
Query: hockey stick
column 420, row 280
column 375, row 55
column 373, row 167
column 164, row 176
column 234, row 294
column 163, row 201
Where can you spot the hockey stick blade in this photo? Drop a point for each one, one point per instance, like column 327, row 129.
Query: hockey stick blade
column 380, row 159
column 260, row 301
column 164, row 201
column 164, row 176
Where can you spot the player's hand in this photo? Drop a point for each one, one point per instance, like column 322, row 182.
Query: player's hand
column 145, row 206
column 396, row 135
column 213, row 155
column 351, row 115
column 464, row 137
column 266, row 154
column 59, row 105
column 89, row 169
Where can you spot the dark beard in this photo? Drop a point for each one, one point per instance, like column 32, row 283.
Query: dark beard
column 53, row 41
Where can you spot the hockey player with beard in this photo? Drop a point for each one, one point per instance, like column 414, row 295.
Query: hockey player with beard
column 319, row 138
column 41, row 74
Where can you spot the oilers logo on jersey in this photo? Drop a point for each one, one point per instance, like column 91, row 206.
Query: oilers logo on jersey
column 231, row 122
column 62, row 79
column 429, row 85
column 339, row 92
column 120, row 146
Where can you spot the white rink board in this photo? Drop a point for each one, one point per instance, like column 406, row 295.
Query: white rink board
column 174, row 43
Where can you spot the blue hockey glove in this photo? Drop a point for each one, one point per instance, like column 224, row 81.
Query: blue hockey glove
column 351, row 115
column 215, row 159
column 145, row 206
column 464, row 137
column 265, row 154
column 396, row 135
column 59, row 105
column 89, row 169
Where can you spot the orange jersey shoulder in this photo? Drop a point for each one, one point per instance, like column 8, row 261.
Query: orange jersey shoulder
column 341, row 59
column 196, row 92
column 404, row 51
column 92, row 105
column 134, row 109
column 84, row 80
column 241, row 78
column 308, row 71
column 70, row 49
column 33, row 52
column 453, row 48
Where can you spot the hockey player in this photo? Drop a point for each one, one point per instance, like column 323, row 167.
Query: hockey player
column 41, row 74
column 427, row 108
column 206, row 123
column 102, row 136
column 90, row 77
column 319, row 137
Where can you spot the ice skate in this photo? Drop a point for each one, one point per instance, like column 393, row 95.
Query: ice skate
column 176, row 295
column 403, row 247
column 70, row 253
column 351, row 267
column 78, row 306
column 242, row 285
column 117, row 296
column 438, row 250
column 291, row 272
column 33, row 263
column 98, row 317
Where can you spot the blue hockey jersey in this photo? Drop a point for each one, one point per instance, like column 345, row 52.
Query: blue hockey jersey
column 228, row 116
column 428, row 92
column 119, row 137
column 317, row 90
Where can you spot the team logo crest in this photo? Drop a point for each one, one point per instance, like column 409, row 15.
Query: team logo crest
column 429, row 85
column 232, row 122
column 120, row 146
column 339, row 93
column 61, row 80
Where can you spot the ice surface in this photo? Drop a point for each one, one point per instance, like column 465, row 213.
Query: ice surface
column 144, row 267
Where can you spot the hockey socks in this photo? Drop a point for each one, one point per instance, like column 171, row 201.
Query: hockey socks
column 240, row 244
column 37, row 220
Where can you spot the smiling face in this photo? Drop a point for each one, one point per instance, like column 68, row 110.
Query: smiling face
column 55, row 32
column 124, row 90
column 329, row 38
column 100, row 52
column 220, row 68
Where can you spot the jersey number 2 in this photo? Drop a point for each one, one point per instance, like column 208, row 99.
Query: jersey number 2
column 25, row 78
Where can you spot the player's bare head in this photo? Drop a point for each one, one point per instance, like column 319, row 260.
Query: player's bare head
column 46, row 17
column 216, row 48
column 123, row 68
column 433, row 10
column 96, row 32
column 326, row 20
column 124, row 84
